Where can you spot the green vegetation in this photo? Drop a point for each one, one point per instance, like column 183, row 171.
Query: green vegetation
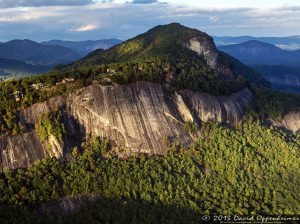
column 244, row 170
column 274, row 104
column 156, row 56
column 51, row 124
column 19, row 94
column 252, row 169
column 190, row 127
column 160, row 55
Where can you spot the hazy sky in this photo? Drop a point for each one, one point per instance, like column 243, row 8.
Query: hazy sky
column 98, row 19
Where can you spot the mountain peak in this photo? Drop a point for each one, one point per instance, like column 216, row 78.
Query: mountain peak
column 22, row 42
column 258, row 43
column 252, row 47
column 173, row 42
column 174, row 54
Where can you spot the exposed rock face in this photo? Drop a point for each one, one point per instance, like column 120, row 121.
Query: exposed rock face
column 31, row 115
column 21, row 151
column 229, row 109
column 24, row 149
column 207, row 48
column 290, row 121
column 135, row 117
column 139, row 116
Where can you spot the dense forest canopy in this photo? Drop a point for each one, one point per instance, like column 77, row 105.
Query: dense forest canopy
column 252, row 169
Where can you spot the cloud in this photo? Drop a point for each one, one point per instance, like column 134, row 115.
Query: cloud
column 119, row 19
column 85, row 28
column 143, row 1
column 213, row 18
column 38, row 3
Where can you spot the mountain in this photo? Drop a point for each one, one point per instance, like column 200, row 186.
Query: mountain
column 189, row 53
column 260, row 53
column 279, row 67
column 37, row 54
column 285, row 43
column 162, row 128
column 84, row 47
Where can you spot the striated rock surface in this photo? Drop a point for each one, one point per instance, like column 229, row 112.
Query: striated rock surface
column 139, row 116
column 21, row 151
column 290, row 121
column 24, row 149
column 207, row 48
column 229, row 109
column 136, row 118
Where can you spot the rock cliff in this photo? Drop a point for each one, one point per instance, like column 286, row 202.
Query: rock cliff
column 21, row 151
column 228, row 109
column 205, row 47
column 136, row 118
column 290, row 121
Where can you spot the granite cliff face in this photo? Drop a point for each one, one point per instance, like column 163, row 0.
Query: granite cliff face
column 21, row 151
column 136, row 118
column 24, row 149
column 228, row 109
column 139, row 116
column 290, row 121
column 205, row 47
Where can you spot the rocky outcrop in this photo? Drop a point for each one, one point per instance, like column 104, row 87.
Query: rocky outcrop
column 139, row 116
column 21, row 151
column 290, row 121
column 206, row 47
column 228, row 109
column 135, row 118
column 31, row 115
column 24, row 149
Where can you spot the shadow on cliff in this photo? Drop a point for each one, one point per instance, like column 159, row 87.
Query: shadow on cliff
column 75, row 132
column 103, row 210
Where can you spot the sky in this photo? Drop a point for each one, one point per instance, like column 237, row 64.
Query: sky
column 42, row 20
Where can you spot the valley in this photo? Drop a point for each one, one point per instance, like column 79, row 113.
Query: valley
column 280, row 67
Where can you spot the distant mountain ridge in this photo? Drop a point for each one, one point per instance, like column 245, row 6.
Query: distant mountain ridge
column 285, row 43
column 282, row 77
column 85, row 47
column 259, row 53
column 27, row 57
column 37, row 54
column 280, row 67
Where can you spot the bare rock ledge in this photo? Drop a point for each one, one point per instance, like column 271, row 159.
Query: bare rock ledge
column 136, row 117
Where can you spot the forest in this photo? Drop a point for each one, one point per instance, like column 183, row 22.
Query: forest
column 246, row 170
